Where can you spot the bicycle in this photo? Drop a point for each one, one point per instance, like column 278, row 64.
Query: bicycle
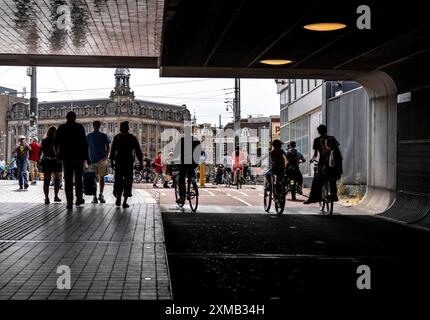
column 227, row 178
column 275, row 193
column 145, row 174
column 326, row 203
column 238, row 178
column 191, row 192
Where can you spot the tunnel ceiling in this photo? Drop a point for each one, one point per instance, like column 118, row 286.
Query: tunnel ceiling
column 216, row 38
column 110, row 30
column 238, row 34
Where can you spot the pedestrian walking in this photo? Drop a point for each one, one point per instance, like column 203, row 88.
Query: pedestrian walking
column 125, row 148
column 98, row 152
column 34, row 159
column 21, row 153
column 72, row 150
column 50, row 165
column 158, row 169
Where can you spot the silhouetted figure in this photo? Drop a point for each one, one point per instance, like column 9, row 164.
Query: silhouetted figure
column 329, row 164
column 99, row 146
column 72, row 150
column 125, row 148
column 186, row 154
column 50, row 165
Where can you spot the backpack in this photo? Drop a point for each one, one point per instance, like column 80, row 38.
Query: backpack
column 293, row 159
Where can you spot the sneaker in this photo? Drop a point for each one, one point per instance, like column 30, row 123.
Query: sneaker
column 69, row 206
column 21, row 187
column 56, row 199
column 102, row 198
column 155, row 186
column 125, row 205
column 47, row 201
column 33, row 182
column 26, row 186
column 95, row 200
column 79, row 202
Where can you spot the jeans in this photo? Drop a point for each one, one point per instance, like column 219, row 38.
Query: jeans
column 158, row 175
column 22, row 170
column 73, row 168
column 185, row 170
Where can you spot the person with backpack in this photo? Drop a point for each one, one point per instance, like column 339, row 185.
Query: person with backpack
column 326, row 147
column 294, row 158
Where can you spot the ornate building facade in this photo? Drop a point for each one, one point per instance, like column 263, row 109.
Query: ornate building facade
column 148, row 120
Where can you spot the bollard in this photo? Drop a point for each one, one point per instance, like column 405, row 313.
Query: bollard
column 202, row 175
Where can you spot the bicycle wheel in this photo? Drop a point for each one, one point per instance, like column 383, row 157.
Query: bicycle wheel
column 137, row 177
column 177, row 195
column 193, row 195
column 267, row 197
column 279, row 198
column 326, row 202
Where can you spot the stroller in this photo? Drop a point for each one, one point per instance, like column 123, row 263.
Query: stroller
column 9, row 172
column 219, row 175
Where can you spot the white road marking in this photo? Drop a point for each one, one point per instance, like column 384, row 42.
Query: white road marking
column 239, row 199
column 243, row 194
column 260, row 194
column 163, row 194
column 211, row 193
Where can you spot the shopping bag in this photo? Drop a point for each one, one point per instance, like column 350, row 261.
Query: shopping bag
column 90, row 183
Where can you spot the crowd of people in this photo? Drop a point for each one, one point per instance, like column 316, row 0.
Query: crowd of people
column 69, row 151
column 286, row 164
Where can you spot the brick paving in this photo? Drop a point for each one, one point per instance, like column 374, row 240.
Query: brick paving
column 113, row 253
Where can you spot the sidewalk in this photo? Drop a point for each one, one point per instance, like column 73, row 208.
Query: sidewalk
column 113, row 253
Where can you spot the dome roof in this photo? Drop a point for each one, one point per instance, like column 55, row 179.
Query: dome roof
column 122, row 72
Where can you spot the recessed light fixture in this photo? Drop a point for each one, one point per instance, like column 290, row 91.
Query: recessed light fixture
column 325, row 26
column 276, row 62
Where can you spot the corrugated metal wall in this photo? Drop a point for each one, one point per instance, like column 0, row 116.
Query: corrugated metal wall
column 347, row 117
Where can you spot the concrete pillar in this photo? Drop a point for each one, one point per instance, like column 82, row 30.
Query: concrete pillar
column 382, row 141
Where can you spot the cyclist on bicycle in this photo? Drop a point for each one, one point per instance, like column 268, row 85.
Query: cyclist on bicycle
column 294, row 158
column 239, row 160
column 186, row 154
column 277, row 162
column 326, row 147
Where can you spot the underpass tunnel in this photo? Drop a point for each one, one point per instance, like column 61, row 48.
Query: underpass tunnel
column 222, row 39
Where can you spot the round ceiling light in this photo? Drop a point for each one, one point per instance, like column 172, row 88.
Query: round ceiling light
column 325, row 26
column 276, row 62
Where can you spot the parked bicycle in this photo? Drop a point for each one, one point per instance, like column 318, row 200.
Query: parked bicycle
column 143, row 175
column 191, row 192
column 275, row 191
column 326, row 203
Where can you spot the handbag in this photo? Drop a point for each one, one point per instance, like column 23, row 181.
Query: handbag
column 90, row 183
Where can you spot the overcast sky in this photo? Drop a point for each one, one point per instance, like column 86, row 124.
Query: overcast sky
column 204, row 96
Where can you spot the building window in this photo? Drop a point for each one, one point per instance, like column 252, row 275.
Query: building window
column 305, row 85
column 299, row 88
column 292, row 90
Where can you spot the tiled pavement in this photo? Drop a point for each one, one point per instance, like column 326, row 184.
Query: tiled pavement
column 113, row 253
